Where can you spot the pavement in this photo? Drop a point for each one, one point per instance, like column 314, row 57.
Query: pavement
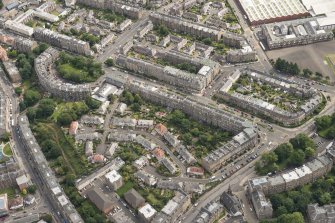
column 238, row 172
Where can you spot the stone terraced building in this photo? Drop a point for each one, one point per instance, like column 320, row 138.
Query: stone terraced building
column 52, row 83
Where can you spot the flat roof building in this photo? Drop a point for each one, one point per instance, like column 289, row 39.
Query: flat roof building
column 114, row 179
column 146, row 213
column 296, row 32
column 100, row 200
column 3, row 205
column 134, row 199
column 267, row 11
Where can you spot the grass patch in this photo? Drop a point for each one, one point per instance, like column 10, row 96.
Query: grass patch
column 10, row 191
column 72, row 160
column 126, row 187
column 78, row 69
column 157, row 198
column 7, row 150
column 68, row 107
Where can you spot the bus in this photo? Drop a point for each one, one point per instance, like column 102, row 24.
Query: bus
column 262, row 45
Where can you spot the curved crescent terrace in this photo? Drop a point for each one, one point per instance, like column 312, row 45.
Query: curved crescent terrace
column 55, row 85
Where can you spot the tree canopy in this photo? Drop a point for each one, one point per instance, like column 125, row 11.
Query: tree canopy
column 78, row 69
column 325, row 126
column 291, row 154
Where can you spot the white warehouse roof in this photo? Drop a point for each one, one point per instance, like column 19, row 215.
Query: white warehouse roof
column 259, row 10
column 318, row 7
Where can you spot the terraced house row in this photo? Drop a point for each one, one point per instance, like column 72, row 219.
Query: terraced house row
column 309, row 172
column 206, row 69
column 246, row 133
column 57, row 197
column 53, row 84
column 264, row 108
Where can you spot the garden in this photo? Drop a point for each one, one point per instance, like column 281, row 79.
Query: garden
column 325, row 126
column 321, row 191
column 78, row 69
column 287, row 155
column 129, row 152
column 276, row 96
column 199, row 138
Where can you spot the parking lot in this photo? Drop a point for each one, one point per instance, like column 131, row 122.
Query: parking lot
column 308, row 56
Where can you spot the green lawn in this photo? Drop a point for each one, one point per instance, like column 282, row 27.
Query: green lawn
column 68, row 72
column 7, row 150
column 10, row 191
column 74, row 160
column 126, row 187
column 66, row 107
column 157, row 198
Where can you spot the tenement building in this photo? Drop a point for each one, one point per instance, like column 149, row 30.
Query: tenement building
column 309, row 172
column 53, row 84
column 18, row 24
column 296, row 32
column 242, row 141
column 180, row 25
column 67, row 211
column 4, row 110
column 127, row 10
column 246, row 133
column 206, row 69
column 320, row 214
column 263, row 108
column 62, row 41
column 190, row 105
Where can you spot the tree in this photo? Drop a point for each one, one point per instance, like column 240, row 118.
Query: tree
column 163, row 30
column 47, row 218
column 136, row 107
column 127, row 97
column 5, row 137
column 187, row 138
column 281, row 210
column 109, row 62
column 112, row 98
column 318, row 74
column 302, row 141
column 283, row 151
column 70, row 179
column 24, row 191
column 325, row 198
column 45, row 108
column 65, row 119
column 269, row 158
column 267, row 163
column 277, row 200
column 22, row 106
column 307, row 72
column 309, row 152
column 207, row 41
column 31, row 97
column 297, row 158
column 18, row 91
column 40, row 49
column 91, row 39
column 31, row 114
column 50, row 149
column 295, row 217
column 31, row 189
column 323, row 122
column 92, row 103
